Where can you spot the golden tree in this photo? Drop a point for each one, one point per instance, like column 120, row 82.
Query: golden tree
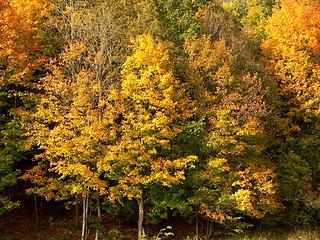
column 73, row 125
column 291, row 53
column 154, row 106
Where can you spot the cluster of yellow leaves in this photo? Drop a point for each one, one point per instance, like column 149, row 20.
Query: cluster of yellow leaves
column 36, row 10
column 153, row 98
column 224, row 191
column 255, row 190
column 210, row 69
column 291, row 49
column 153, row 105
column 48, row 187
column 169, row 172
column 74, row 121
column 86, row 178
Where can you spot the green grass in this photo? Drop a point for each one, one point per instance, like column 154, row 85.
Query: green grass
column 297, row 234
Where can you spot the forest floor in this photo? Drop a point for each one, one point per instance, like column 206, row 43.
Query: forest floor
column 54, row 222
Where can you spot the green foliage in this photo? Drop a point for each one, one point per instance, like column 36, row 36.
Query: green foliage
column 189, row 238
column 11, row 152
column 164, row 233
column 251, row 16
column 179, row 18
column 242, row 11
column 161, row 199
column 114, row 234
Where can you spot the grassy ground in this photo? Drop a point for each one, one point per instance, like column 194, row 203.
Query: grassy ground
column 307, row 233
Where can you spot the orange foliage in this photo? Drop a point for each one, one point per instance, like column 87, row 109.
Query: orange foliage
column 19, row 45
column 36, row 10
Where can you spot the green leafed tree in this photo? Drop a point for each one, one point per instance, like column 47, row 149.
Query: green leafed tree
column 180, row 19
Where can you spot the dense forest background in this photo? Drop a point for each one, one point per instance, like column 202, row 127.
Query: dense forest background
column 157, row 109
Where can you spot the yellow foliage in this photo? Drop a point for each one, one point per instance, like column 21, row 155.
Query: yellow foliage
column 36, row 10
column 75, row 121
column 291, row 51
column 154, row 103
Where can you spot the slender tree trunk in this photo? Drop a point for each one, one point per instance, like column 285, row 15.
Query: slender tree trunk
column 99, row 215
column 208, row 229
column 77, row 215
column 141, row 231
column 40, row 208
column 84, row 235
column 211, row 228
column 197, row 227
column 36, row 209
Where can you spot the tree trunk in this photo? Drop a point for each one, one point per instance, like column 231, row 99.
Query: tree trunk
column 40, row 208
column 84, row 235
column 197, row 227
column 36, row 209
column 99, row 215
column 208, row 229
column 141, row 231
column 77, row 215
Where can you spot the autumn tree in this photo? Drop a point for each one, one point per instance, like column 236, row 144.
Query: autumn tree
column 100, row 31
column 21, row 58
column 73, row 124
column 90, row 41
column 105, row 26
column 251, row 16
column 291, row 53
column 35, row 10
column 234, row 177
column 154, row 105
column 217, row 22
column 291, row 57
